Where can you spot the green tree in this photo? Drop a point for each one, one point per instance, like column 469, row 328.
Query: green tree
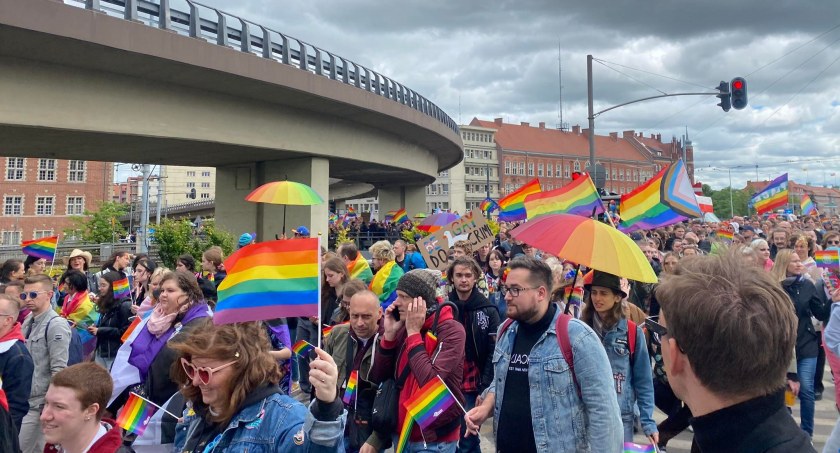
column 98, row 226
column 178, row 237
column 721, row 201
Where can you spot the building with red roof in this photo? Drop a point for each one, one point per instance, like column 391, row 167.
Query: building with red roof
column 825, row 198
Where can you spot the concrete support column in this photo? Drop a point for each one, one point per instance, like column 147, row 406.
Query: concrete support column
column 236, row 215
column 412, row 198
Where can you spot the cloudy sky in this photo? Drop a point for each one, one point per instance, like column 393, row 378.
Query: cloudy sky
column 499, row 58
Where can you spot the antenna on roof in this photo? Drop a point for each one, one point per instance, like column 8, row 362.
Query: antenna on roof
column 561, row 125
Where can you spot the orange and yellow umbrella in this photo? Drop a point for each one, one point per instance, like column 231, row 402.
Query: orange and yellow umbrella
column 588, row 242
column 285, row 193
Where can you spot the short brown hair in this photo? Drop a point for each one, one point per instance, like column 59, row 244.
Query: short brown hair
column 214, row 254
column 187, row 282
column 14, row 301
column 247, row 343
column 733, row 322
column 89, row 381
column 466, row 261
column 348, row 250
column 540, row 272
column 352, row 287
column 464, row 245
column 42, row 279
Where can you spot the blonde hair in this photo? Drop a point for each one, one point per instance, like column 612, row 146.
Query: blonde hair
column 383, row 250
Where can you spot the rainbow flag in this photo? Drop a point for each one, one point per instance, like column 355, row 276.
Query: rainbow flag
column 488, row 205
column 359, row 268
column 405, row 432
column 579, row 197
column 384, row 283
column 327, row 330
column 725, row 234
column 630, row 447
column 333, row 219
column 773, row 196
column 267, row 280
column 121, row 289
column 827, row 258
column 350, row 391
column 136, row 414
column 576, row 297
column 512, row 207
column 431, row 400
column 807, row 205
column 302, row 347
column 131, row 328
column 389, row 216
column 400, row 216
column 665, row 199
column 41, row 248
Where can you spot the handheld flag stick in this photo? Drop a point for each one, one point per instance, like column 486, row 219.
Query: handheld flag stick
column 567, row 310
column 453, row 395
column 155, row 405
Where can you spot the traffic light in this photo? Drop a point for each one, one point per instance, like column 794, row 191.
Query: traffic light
column 724, row 96
column 739, row 93
column 192, row 193
column 578, row 174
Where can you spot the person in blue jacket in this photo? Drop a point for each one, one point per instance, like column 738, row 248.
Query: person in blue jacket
column 408, row 261
column 233, row 403
column 630, row 365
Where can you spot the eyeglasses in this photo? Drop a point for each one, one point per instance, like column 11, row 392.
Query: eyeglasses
column 10, row 316
column 657, row 331
column 204, row 373
column 514, row 290
column 837, row 242
column 31, row 294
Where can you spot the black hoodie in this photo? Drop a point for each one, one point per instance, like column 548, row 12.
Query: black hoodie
column 481, row 321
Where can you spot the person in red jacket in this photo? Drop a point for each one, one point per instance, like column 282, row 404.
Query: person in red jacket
column 422, row 341
column 72, row 415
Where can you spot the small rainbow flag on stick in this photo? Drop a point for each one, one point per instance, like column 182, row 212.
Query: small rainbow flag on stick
column 488, row 205
column 121, row 289
column 350, row 391
column 302, row 347
column 630, row 447
column 405, row 432
column 807, row 205
column 827, row 258
column 725, row 234
column 400, row 216
column 136, row 414
column 426, row 405
column 41, row 248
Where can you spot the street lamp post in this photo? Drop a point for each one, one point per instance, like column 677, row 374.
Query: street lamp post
column 731, row 204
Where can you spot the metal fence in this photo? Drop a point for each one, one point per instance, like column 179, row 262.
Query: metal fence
column 225, row 29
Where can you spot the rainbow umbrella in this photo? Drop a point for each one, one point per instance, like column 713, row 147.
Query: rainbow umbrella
column 285, row 193
column 420, row 215
column 588, row 242
column 437, row 221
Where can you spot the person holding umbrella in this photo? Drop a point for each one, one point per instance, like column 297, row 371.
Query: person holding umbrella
column 625, row 349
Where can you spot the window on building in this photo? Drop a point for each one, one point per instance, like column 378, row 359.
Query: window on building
column 43, row 234
column 521, row 168
column 190, row 184
column 205, row 184
column 205, row 196
column 549, row 170
column 11, row 238
column 432, row 189
column 190, row 173
column 206, row 174
column 530, row 169
column 13, row 205
column 445, row 205
column 75, row 205
column 566, row 172
column 14, row 169
column 548, row 187
column 621, row 175
column 46, row 169
column 507, row 167
column 577, row 166
column 540, row 170
column 606, row 175
column 615, row 175
column 444, row 174
column 468, row 188
column 44, row 205
column 76, row 171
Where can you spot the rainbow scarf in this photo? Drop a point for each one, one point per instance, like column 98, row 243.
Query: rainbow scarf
column 359, row 268
column 384, row 283
column 82, row 312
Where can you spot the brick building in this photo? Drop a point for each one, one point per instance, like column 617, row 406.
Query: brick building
column 40, row 195
column 630, row 159
column 825, row 198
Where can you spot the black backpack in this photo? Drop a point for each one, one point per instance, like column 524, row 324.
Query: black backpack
column 76, row 352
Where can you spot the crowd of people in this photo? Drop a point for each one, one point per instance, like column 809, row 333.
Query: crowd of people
column 561, row 357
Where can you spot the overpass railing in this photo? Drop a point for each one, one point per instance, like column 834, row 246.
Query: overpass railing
column 225, row 29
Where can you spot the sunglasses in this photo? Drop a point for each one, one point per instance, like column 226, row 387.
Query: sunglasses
column 204, row 373
column 837, row 242
column 657, row 331
column 31, row 294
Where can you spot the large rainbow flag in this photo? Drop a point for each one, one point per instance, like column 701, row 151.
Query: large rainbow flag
column 665, row 199
column 773, row 196
column 384, row 283
column 807, row 205
column 136, row 414
column 512, row 207
column 359, row 268
column 578, row 198
column 274, row 279
column 41, row 248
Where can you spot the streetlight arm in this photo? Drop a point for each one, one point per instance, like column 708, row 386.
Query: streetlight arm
column 652, row 97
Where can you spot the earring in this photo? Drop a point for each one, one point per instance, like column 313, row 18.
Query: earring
column 87, row 419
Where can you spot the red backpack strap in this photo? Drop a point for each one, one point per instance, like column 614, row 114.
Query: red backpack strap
column 505, row 326
column 631, row 340
column 562, row 328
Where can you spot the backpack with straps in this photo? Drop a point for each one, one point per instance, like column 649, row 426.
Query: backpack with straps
column 76, row 352
column 562, row 330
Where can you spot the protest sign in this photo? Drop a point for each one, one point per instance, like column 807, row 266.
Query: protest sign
column 470, row 227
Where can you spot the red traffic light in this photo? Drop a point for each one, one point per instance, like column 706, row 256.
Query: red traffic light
column 578, row 174
column 737, row 84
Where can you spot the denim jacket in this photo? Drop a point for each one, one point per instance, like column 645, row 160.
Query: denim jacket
column 277, row 423
column 563, row 421
column 634, row 385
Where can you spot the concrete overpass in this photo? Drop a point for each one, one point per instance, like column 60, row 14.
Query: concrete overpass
column 202, row 87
